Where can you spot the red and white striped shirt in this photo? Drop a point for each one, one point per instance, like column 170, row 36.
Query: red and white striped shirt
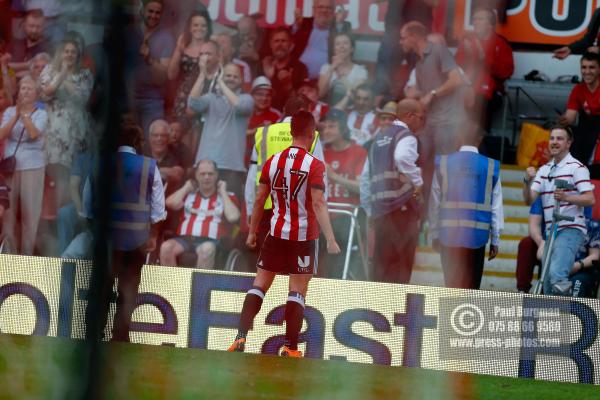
column 291, row 174
column 362, row 126
column 203, row 216
column 245, row 70
column 319, row 110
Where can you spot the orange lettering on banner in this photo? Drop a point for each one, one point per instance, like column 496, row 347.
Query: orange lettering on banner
column 535, row 21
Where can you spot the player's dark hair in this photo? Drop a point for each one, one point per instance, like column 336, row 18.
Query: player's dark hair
column 295, row 104
column 303, row 124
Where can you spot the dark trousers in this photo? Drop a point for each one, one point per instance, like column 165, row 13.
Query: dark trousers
column 585, row 282
column 463, row 267
column 526, row 262
column 396, row 237
column 127, row 267
column 426, row 162
column 594, row 171
column 585, row 137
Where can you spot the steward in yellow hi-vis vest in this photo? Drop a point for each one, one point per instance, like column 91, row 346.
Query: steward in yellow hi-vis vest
column 272, row 139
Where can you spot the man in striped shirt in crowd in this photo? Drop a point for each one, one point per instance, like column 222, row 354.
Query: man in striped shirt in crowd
column 571, row 235
column 295, row 181
column 208, row 212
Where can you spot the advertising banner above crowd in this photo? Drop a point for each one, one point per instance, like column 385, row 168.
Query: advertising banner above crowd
column 530, row 22
column 481, row 332
column 365, row 16
column 535, row 21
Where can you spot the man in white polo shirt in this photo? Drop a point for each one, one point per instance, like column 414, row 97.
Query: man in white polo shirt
column 571, row 235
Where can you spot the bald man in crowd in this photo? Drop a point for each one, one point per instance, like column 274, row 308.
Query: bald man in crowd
column 390, row 191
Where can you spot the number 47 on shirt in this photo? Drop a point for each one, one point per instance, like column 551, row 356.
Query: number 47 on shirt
column 280, row 184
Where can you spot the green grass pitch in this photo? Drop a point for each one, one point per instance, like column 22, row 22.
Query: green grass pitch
column 54, row 368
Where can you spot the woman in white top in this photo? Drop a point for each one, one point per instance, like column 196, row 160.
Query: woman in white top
column 342, row 74
column 23, row 126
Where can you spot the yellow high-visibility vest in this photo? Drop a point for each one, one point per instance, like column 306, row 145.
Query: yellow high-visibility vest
column 278, row 138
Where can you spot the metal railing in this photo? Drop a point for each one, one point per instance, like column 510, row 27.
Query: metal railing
column 352, row 211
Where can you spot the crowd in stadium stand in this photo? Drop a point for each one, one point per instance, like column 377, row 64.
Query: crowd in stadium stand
column 199, row 91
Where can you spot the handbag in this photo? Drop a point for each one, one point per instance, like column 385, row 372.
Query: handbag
column 8, row 164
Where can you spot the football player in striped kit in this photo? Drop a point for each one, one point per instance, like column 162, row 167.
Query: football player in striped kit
column 295, row 181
